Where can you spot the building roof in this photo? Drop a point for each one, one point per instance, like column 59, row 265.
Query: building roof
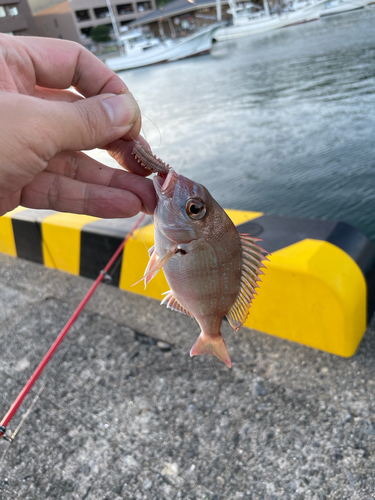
column 174, row 8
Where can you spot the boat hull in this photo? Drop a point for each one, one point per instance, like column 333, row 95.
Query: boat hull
column 245, row 26
column 345, row 6
column 199, row 43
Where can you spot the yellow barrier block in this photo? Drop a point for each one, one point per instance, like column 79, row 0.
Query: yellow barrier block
column 134, row 263
column 240, row 216
column 317, row 291
column 7, row 243
column 312, row 293
column 62, row 241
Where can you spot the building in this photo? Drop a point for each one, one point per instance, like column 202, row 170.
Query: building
column 182, row 17
column 74, row 19
column 57, row 22
column 16, row 18
column 91, row 13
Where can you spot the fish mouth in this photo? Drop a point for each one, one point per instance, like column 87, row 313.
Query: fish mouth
column 165, row 186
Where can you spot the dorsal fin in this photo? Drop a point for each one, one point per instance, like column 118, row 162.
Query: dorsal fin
column 173, row 303
column 252, row 257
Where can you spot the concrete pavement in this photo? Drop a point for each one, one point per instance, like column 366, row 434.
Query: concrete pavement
column 125, row 413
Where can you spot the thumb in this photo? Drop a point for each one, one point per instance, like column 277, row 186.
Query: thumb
column 93, row 122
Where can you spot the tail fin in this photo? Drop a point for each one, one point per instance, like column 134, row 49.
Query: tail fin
column 209, row 345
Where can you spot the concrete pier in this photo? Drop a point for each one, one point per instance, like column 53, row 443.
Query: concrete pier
column 125, row 413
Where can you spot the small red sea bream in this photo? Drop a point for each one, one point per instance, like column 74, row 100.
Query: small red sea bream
column 212, row 270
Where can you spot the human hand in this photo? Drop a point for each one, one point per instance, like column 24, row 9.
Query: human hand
column 44, row 127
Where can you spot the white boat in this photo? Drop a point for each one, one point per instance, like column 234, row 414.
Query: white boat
column 141, row 51
column 247, row 23
column 338, row 6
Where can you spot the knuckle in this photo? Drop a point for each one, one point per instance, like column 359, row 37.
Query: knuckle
column 86, row 200
column 53, row 193
column 90, row 123
column 71, row 164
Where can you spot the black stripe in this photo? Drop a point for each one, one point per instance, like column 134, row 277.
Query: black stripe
column 362, row 250
column 278, row 232
column 99, row 241
column 28, row 234
column 96, row 250
column 28, row 239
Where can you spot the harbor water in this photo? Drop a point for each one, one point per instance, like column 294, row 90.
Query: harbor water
column 282, row 122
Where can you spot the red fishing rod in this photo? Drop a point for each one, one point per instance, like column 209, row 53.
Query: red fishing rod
column 34, row 377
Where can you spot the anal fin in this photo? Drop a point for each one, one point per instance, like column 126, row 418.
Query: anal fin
column 173, row 303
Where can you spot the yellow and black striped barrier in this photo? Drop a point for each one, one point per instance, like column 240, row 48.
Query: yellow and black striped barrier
column 318, row 290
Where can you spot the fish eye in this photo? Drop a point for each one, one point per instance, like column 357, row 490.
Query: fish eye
column 195, row 209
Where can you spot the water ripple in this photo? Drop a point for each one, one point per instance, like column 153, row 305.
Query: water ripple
column 282, row 122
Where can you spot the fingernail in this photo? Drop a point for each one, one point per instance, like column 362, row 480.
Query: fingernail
column 122, row 109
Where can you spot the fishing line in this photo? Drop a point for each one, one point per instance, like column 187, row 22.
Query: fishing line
column 11, row 438
column 140, row 229
column 108, row 276
column 214, row 365
column 157, row 128
column 143, row 240
column 42, row 365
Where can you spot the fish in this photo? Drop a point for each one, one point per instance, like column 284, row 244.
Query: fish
column 212, row 269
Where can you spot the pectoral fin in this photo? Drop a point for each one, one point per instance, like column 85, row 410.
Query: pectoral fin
column 153, row 258
column 155, row 264
column 209, row 345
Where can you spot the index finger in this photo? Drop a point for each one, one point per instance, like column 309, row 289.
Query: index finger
column 59, row 64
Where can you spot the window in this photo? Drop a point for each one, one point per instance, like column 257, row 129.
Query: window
column 101, row 12
column 125, row 8
column 12, row 11
column 55, row 23
column 2, row 12
column 82, row 15
column 86, row 32
column 142, row 6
